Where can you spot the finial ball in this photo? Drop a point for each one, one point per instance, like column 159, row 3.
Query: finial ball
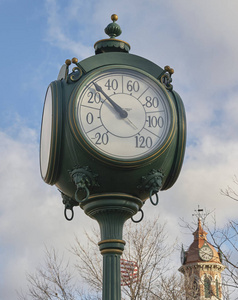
column 68, row 62
column 168, row 69
column 114, row 17
column 74, row 60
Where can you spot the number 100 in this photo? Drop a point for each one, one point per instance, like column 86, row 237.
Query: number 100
column 154, row 121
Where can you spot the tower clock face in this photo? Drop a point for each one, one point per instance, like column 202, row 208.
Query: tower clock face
column 206, row 253
column 122, row 114
column 182, row 256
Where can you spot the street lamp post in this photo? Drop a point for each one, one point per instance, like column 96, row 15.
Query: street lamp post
column 113, row 134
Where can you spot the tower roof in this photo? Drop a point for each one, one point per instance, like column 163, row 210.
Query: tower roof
column 200, row 235
column 193, row 255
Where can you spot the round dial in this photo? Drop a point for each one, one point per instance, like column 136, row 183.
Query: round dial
column 182, row 256
column 46, row 133
column 206, row 253
column 51, row 133
column 123, row 114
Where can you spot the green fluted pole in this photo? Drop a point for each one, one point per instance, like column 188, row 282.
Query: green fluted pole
column 111, row 211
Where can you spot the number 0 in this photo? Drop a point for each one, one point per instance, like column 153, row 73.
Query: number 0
column 89, row 118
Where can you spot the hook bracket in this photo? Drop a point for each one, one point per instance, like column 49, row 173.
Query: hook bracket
column 85, row 180
column 152, row 183
column 69, row 203
column 141, row 218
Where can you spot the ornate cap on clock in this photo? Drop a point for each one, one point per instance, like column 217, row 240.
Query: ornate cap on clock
column 112, row 44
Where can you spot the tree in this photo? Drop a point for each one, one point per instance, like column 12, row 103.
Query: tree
column 171, row 288
column 230, row 192
column 226, row 241
column 53, row 280
column 147, row 247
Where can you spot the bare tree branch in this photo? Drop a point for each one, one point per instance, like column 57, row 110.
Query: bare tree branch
column 230, row 192
column 52, row 280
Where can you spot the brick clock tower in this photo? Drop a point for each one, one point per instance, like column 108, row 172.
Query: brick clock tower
column 202, row 267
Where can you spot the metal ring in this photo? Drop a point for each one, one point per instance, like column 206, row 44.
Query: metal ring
column 142, row 216
column 153, row 192
column 65, row 214
column 86, row 197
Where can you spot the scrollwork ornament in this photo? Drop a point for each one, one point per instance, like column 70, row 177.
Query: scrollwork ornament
column 76, row 75
column 166, row 79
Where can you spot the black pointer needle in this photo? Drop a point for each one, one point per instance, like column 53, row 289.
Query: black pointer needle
column 123, row 114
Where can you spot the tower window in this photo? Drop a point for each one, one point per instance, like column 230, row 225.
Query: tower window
column 217, row 288
column 195, row 289
column 207, row 288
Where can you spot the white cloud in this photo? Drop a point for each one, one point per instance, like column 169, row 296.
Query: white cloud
column 61, row 35
column 31, row 212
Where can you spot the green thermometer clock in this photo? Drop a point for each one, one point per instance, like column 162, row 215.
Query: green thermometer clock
column 113, row 124
column 113, row 134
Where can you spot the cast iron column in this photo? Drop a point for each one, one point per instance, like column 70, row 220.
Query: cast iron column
column 111, row 211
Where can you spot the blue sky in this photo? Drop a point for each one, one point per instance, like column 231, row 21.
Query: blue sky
column 197, row 38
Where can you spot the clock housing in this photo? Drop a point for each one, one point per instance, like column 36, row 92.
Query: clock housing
column 84, row 119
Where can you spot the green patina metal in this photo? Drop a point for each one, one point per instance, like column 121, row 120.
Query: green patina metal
column 111, row 212
column 129, row 177
column 112, row 45
column 109, row 190
column 113, row 29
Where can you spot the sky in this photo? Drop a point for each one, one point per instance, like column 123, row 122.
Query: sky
column 198, row 39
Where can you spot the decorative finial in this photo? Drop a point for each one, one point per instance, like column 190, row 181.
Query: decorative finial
column 113, row 29
column 170, row 70
column 114, row 17
column 112, row 44
column 74, row 60
column 68, row 62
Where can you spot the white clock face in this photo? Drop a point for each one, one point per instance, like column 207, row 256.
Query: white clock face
column 46, row 133
column 182, row 256
column 123, row 114
column 206, row 253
